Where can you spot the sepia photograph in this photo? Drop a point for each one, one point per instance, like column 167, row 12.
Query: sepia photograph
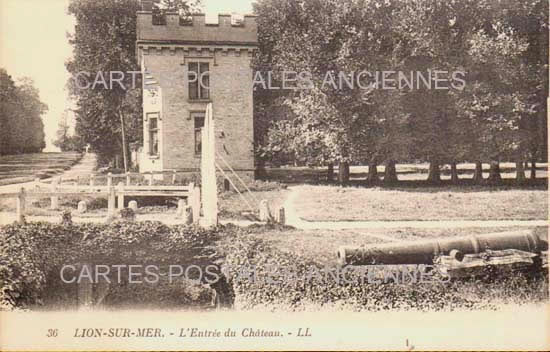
column 274, row 175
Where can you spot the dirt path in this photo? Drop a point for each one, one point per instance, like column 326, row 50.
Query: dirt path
column 85, row 166
column 293, row 219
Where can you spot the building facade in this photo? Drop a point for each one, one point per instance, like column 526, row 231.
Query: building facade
column 186, row 64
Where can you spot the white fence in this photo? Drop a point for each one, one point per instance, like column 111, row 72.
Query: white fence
column 93, row 178
column 55, row 190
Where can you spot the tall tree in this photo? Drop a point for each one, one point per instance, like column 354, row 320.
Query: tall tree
column 21, row 126
column 104, row 42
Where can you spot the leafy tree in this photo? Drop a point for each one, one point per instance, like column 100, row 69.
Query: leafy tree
column 21, row 126
column 510, row 79
column 104, row 42
column 64, row 139
column 499, row 47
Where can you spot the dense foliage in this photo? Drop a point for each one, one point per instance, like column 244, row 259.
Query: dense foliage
column 32, row 255
column 105, row 41
column 65, row 140
column 261, row 281
column 499, row 113
column 21, row 126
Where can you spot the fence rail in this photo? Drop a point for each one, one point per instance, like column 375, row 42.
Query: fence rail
column 149, row 176
column 56, row 191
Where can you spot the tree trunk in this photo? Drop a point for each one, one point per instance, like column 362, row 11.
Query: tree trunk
column 330, row 173
column 454, row 174
column 390, row 174
column 124, row 144
column 260, row 172
column 343, row 173
column 533, row 169
column 520, row 172
column 478, row 173
column 526, row 165
column 434, row 175
column 494, row 173
column 372, row 176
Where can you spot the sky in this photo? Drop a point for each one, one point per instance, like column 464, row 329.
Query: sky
column 33, row 43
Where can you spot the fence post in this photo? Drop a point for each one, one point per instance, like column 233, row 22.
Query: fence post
column 54, row 198
column 21, row 203
column 282, row 217
column 181, row 205
column 174, row 178
column 111, row 202
column 109, row 180
column 265, row 214
column 120, row 189
column 150, row 178
column 128, row 180
column 195, row 202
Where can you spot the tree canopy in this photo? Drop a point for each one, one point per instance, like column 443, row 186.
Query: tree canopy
column 496, row 53
column 21, row 126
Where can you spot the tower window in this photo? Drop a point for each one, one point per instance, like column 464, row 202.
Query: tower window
column 199, row 80
column 153, row 136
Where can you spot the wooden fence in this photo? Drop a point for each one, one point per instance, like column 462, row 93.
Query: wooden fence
column 56, row 191
column 148, row 176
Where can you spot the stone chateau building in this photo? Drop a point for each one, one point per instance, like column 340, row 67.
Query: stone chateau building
column 186, row 64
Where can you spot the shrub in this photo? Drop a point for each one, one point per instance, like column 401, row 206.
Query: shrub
column 485, row 292
column 32, row 255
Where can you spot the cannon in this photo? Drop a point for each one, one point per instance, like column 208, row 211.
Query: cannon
column 453, row 253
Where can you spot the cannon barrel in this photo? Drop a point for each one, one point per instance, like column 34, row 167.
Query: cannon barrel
column 424, row 251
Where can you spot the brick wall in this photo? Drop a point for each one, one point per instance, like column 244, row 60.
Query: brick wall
column 230, row 89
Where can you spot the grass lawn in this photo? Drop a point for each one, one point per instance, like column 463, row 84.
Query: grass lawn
column 269, row 250
column 320, row 246
column 232, row 206
column 332, row 203
column 27, row 167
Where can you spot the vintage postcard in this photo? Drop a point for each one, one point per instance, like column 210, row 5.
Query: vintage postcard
column 274, row 175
